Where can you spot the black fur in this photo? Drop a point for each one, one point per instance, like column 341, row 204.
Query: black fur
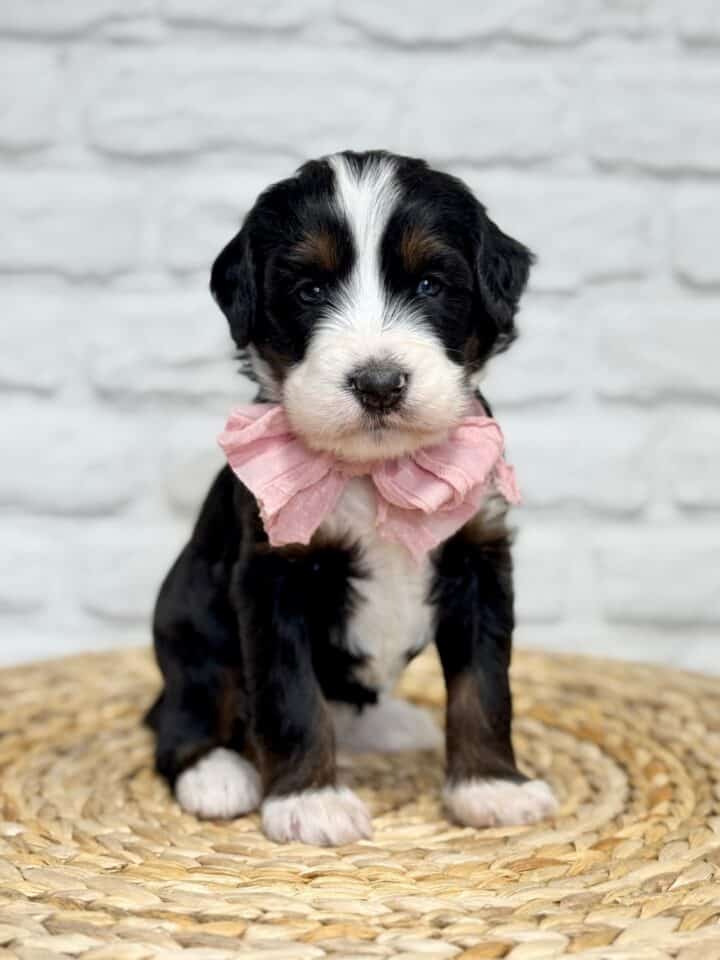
column 251, row 640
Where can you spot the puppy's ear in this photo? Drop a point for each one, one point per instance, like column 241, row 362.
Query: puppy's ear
column 232, row 284
column 502, row 269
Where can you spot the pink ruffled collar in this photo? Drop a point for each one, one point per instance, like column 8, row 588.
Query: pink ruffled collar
column 422, row 498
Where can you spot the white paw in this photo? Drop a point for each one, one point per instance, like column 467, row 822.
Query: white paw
column 326, row 817
column 389, row 726
column 221, row 785
column 499, row 803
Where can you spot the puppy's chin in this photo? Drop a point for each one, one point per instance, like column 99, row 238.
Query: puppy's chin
column 376, row 442
column 359, row 439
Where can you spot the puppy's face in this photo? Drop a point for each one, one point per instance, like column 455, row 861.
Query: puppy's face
column 367, row 290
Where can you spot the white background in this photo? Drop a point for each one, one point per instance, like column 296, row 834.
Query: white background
column 135, row 133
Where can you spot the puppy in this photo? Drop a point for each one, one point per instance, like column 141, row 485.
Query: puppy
column 367, row 292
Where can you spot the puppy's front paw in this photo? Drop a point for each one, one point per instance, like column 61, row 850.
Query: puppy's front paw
column 221, row 785
column 327, row 817
column 499, row 803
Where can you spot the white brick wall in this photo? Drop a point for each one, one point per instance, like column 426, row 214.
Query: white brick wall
column 134, row 134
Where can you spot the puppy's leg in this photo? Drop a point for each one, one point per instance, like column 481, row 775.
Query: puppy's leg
column 199, row 728
column 200, row 717
column 474, row 597
column 292, row 727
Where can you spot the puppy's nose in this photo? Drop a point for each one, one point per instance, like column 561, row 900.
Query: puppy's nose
column 379, row 386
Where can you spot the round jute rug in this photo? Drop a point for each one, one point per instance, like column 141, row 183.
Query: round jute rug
column 96, row 861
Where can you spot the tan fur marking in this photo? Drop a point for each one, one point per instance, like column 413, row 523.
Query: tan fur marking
column 417, row 247
column 318, row 248
column 473, row 749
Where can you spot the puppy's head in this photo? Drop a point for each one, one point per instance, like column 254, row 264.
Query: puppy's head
column 367, row 291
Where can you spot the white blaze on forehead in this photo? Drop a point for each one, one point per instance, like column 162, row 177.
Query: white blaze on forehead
column 366, row 199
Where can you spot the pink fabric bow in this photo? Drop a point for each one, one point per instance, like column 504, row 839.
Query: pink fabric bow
column 422, row 498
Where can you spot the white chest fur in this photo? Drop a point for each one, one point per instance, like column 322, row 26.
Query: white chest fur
column 391, row 617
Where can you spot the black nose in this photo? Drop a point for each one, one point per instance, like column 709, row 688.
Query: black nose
column 379, row 386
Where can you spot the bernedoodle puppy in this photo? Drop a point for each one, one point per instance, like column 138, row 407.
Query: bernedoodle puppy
column 362, row 512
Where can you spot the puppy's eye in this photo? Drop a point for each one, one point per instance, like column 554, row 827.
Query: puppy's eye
column 312, row 293
column 428, row 287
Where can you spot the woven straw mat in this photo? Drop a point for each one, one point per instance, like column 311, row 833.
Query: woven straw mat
column 96, row 861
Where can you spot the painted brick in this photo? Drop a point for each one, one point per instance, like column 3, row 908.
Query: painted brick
column 201, row 214
column 134, row 136
column 460, row 106
column 687, row 646
column 79, row 224
column 668, row 576
column 196, row 100
column 47, row 17
column 26, row 571
column 29, row 97
column 282, row 14
column 542, row 364
column 657, row 351
column 49, row 633
column 662, row 116
column 593, row 458
column 698, row 652
column 188, row 475
column 187, row 99
column 32, row 355
column 692, row 459
column 461, row 22
column 74, row 460
column 120, row 569
column 696, row 251
column 581, row 229
column 155, row 345
column 541, row 573
column 191, row 457
column 698, row 20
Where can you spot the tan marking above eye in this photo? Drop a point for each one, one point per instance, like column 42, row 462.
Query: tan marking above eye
column 417, row 247
column 318, row 248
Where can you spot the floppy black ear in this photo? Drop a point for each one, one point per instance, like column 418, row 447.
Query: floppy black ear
column 232, row 284
column 503, row 266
